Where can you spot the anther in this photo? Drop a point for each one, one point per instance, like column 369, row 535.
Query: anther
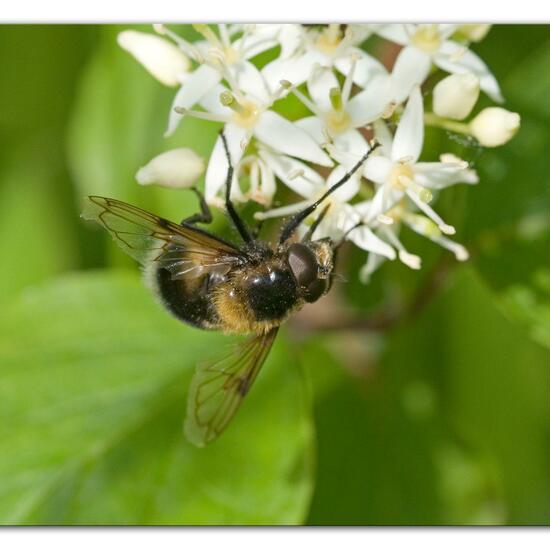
column 390, row 108
column 385, row 220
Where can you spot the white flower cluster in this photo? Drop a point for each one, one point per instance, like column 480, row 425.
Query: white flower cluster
column 352, row 98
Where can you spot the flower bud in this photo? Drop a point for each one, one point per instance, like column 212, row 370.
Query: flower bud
column 456, row 95
column 176, row 168
column 494, row 126
column 474, row 32
column 165, row 61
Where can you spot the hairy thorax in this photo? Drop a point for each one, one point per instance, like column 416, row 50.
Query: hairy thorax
column 257, row 298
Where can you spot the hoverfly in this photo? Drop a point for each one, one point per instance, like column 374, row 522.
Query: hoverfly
column 210, row 283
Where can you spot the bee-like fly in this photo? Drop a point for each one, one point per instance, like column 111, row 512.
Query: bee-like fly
column 249, row 288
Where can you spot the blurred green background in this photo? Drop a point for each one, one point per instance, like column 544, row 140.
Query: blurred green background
column 431, row 408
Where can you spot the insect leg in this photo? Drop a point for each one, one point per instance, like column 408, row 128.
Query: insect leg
column 235, row 218
column 298, row 218
column 315, row 224
column 204, row 216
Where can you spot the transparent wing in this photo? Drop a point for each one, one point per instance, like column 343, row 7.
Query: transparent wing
column 218, row 388
column 185, row 251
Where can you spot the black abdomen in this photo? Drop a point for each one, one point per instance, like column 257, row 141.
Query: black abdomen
column 187, row 299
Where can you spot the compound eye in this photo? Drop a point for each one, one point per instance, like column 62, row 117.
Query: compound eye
column 303, row 264
column 316, row 289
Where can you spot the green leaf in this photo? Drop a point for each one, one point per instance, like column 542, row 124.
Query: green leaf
column 93, row 383
column 508, row 214
column 118, row 123
column 444, row 421
column 38, row 222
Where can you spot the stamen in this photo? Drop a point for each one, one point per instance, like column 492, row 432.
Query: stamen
column 343, row 157
column 390, row 109
column 296, row 173
column 209, row 34
column 333, row 32
column 254, row 178
column 284, row 86
column 282, row 211
column 425, row 195
column 246, row 33
column 422, row 224
column 309, row 104
column 219, row 56
column 432, row 214
column 202, row 115
column 300, row 173
column 255, row 45
column 348, row 37
column 186, row 47
column 460, row 252
column 458, row 54
column 453, row 161
column 348, row 83
column 411, row 260
column 244, row 142
column 224, row 34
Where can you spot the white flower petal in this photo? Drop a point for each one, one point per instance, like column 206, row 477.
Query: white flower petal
column 384, row 199
column 199, row 83
column 396, row 32
column 251, row 82
column 369, row 104
column 294, row 174
column 455, row 58
column 216, row 172
column 290, row 38
column 378, row 169
column 409, row 136
column 383, row 136
column 474, row 32
column 374, row 261
column 411, row 68
column 347, row 191
column 367, row 68
column 446, row 30
column 315, row 127
column 257, row 39
column 319, row 84
column 295, row 69
column 178, row 168
column 352, row 143
column 364, row 238
column 438, row 175
column 211, row 102
column 285, row 137
column 166, row 62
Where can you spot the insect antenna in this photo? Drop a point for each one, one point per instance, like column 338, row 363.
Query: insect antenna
column 298, row 218
column 235, row 218
column 343, row 237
